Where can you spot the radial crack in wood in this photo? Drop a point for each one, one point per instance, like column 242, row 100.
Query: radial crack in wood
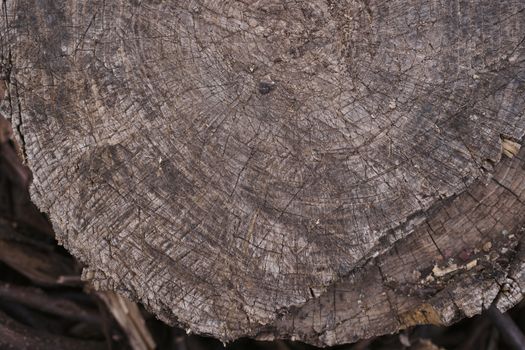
column 319, row 170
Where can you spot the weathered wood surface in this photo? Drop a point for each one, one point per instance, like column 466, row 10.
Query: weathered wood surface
column 321, row 170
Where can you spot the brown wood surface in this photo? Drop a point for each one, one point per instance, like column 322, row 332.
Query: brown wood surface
column 323, row 170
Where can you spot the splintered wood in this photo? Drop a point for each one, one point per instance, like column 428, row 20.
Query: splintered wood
column 324, row 171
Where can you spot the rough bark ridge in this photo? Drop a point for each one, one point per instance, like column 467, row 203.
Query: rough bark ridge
column 324, row 170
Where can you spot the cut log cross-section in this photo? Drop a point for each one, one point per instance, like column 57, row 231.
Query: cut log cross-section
column 320, row 170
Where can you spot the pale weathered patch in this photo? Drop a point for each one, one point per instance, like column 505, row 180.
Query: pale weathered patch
column 510, row 148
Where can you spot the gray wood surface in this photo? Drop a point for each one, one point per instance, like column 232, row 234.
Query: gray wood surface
column 323, row 170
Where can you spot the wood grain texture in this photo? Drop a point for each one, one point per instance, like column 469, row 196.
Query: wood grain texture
column 319, row 170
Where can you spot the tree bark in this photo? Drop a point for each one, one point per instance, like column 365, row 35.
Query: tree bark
column 324, row 171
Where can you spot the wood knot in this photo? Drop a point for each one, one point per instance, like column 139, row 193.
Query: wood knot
column 266, row 87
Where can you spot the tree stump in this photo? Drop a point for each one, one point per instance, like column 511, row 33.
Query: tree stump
column 323, row 171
